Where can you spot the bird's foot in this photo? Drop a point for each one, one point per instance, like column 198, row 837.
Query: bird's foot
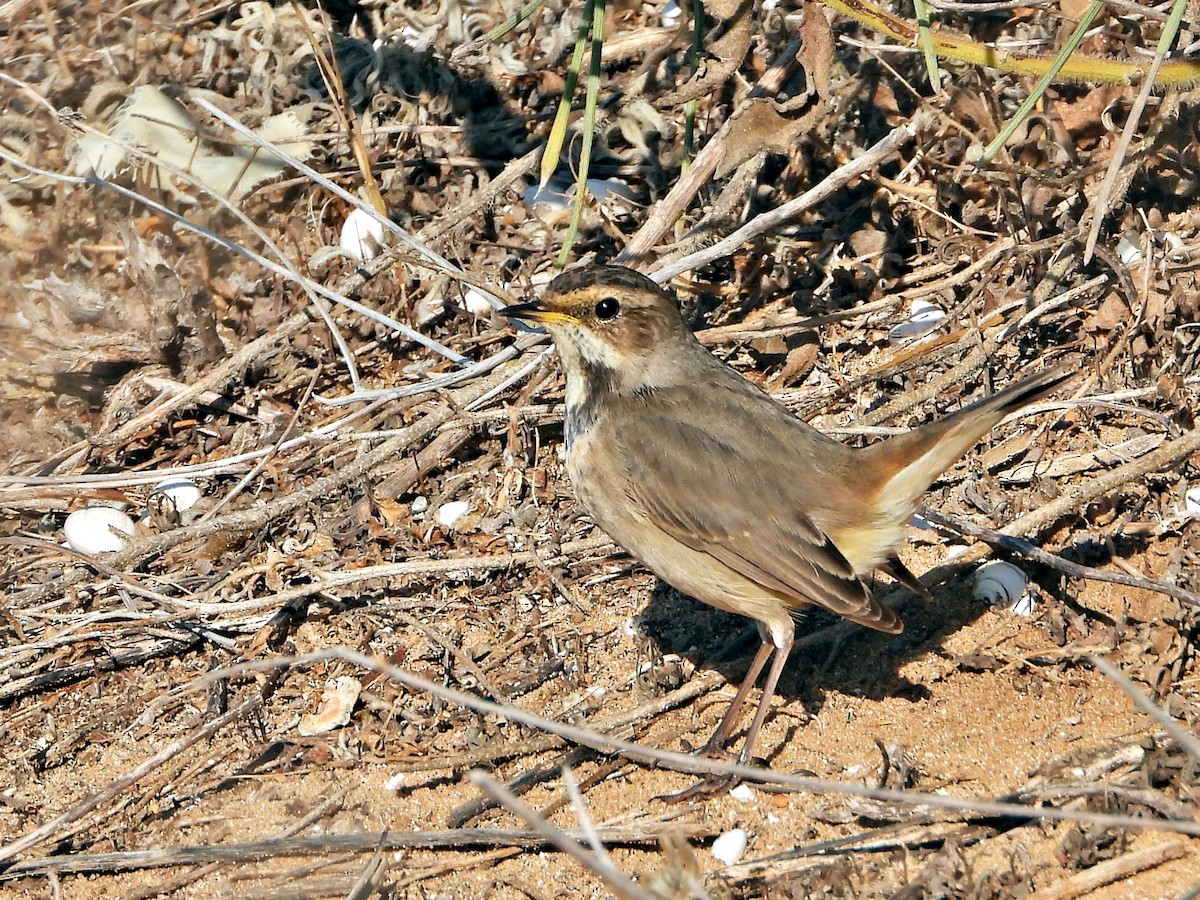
column 713, row 785
column 705, row 789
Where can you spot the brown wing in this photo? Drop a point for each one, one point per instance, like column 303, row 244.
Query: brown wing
column 741, row 499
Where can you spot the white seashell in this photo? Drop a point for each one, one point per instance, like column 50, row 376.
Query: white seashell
column 671, row 14
column 742, row 793
column 1176, row 249
column 605, row 188
column 449, row 513
column 94, row 530
column 420, row 504
column 1025, row 605
column 552, row 196
column 362, row 235
column 184, row 494
column 998, row 582
column 729, row 847
column 477, row 302
column 923, row 317
column 1129, row 248
column 337, row 703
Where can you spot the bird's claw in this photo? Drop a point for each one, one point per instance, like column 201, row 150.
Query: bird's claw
column 713, row 785
column 705, row 789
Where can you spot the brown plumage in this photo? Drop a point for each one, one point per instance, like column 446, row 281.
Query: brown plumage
column 719, row 489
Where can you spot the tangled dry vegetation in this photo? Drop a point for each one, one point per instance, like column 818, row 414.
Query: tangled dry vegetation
column 386, row 585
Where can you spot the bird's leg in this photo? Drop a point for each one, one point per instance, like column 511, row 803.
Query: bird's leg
column 719, row 784
column 782, row 646
column 716, row 743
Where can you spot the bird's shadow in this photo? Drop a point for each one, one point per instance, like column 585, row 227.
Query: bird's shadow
column 865, row 664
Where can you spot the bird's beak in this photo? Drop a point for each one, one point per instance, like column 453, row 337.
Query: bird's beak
column 535, row 311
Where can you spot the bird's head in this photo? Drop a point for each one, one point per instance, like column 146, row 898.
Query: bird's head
column 610, row 323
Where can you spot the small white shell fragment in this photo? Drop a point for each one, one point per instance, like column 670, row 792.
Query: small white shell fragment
column 1129, row 248
column 729, row 847
column 999, row 582
column 449, row 513
column 94, row 529
column 417, row 40
column 1176, row 249
column 552, row 196
column 1025, row 605
column 337, row 703
column 182, row 492
column 396, row 782
column 362, row 235
column 923, row 317
column 477, row 302
column 1191, row 501
column 671, row 14
column 604, row 188
column 420, row 504
column 742, row 793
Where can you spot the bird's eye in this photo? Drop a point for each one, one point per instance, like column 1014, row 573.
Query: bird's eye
column 607, row 309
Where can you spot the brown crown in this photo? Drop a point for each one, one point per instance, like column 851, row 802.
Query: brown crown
column 596, row 276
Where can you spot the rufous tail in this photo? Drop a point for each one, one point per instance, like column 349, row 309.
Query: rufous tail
column 915, row 459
